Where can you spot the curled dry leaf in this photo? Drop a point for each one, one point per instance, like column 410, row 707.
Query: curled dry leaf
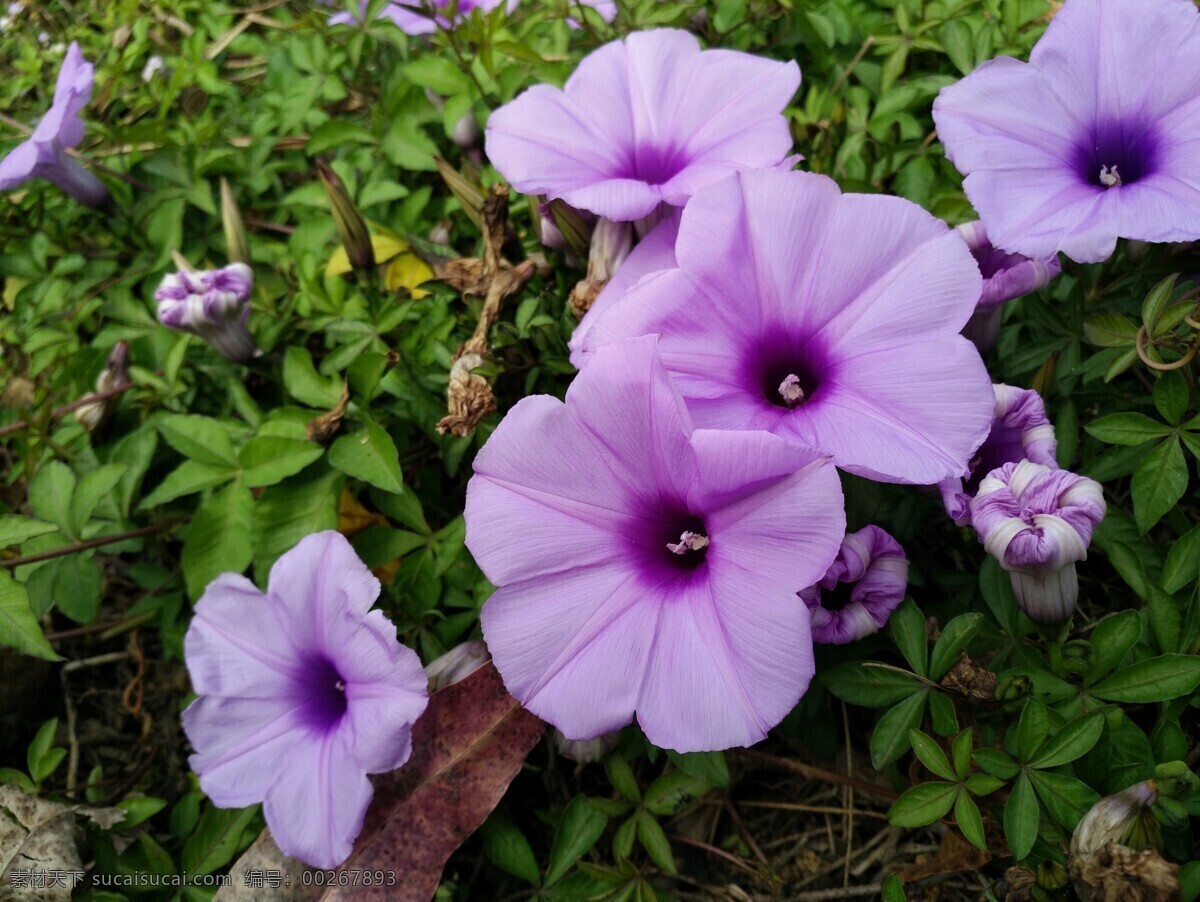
column 1119, row 874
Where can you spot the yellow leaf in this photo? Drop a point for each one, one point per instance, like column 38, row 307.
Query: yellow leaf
column 385, row 246
column 408, row 271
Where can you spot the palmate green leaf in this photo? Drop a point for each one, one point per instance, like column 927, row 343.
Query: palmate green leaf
column 970, row 823
column 1158, row 483
column 872, row 687
column 623, row 838
column 1032, row 728
column 997, row 762
column 578, row 829
column 19, row 629
column 655, row 842
column 672, row 792
column 1073, row 741
column 959, row 46
column 1126, row 429
column 198, row 438
column 189, row 477
column 923, row 804
column 942, row 716
column 890, row 740
column 50, row 493
column 1165, row 620
column 16, row 529
column 960, row 752
column 1110, row 330
column 1181, row 568
column 1152, row 680
column 305, row 384
column 92, row 489
column 708, row 767
column 1171, row 396
column 268, row 459
column 908, row 629
column 72, row 583
column 292, row 509
column 1111, row 640
column 508, row 849
column 930, row 754
column 1156, row 301
column 983, row 784
column 954, row 638
column 370, row 455
column 216, row 839
column 1065, row 799
column 1021, row 817
column 620, row 775
column 218, row 538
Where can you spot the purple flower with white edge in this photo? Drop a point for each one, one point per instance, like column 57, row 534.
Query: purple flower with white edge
column 416, row 17
column 1037, row 522
column 1091, row 140
column 44, row 153
column 302, row 691
column 1020, row 431
column 874, row 567
column 645, row 567
column 213, row 304
column 828, row 319
column 643, row 121
column 1005, row 277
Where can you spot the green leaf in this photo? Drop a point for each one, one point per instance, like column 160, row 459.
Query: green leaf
column 1165, row 620
column 983, row 784
column 872, row 687
column 199, row 438
column 268, row 459
column 623, row 838
column 1183, row 561
column 890, row 738
column 337, row 133
column 1111, row 640
column 1073, row 741
column 908, row 629
column 369, row 455
column 15, row 529
column 673, row 792
column 50, row 493
column 654, row 841
column 996, row 587
column 709, row 768
column 19, row 629
column 923, row 804
column 92, row 489
column 217, row 839
column 1158, row 482
column 439, row 74
column 1110, row 330
column 960, row 751
column 959, row 45
column 578, row 829
column 970, row 823
column 72, row 583
column 1120, row 364
column 40, row 747
column 930, row 754
column 218, row 538
column 509, row 850
column 1032, row 728
column 1065, row 799
column 954, row 638
column 1021, row 817
column 620, row 775
column 139, row 810
column 997, row 762
column 290, row 510
column 189, row 477
column 1126, row 429
column 942, row 716
column 305, row 384
column 1152, row 680
column 1156, row 301
column 1171, row 396
column 893, row 889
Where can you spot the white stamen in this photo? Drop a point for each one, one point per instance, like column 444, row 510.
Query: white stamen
column 689, row 541
column 791, row 391
column 341, row 686
column 1109, row 177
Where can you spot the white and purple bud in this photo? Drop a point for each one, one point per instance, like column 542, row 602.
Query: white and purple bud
column 459, row 662
column 466, row 133
column 115, row 373
column 44, row 153
column 1005, row 277
column 153, row 67
column 1037, row 522
column 213, row 304
column 874, row 567
column 1113, row 819
column 586, row 751
column 1020, row 431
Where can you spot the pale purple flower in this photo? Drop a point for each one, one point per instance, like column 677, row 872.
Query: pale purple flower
column 646, row 568
column 828, row 319
column 424, row 16
column 1092, row 140
column 1020, row 430
column 456, row 664
column 643, row 121
column 1037, row 522
column 872, row 567
column 1005, row 277
column 303, row 692
column 44, row 153
column 213, row 304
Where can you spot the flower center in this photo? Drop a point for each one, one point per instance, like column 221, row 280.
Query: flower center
column 1110, row 178
column 688, row 541
column 791, row 390
column 323, row 694
column 1115, row 154
column 789, row 384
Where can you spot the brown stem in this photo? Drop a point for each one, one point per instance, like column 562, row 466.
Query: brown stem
column 90, row 543
column 60, row 412
column 815, row 773
column 713, row 850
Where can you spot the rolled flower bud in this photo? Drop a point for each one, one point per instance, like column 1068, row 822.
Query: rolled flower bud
column 237, row 250
column 465, row 658
column 1115, row 819
column 610, row 245
column 1037, row 522
column 1020, row 431
column 1005, row 277
column 586, row 751
column 877, row 569
column 213, row 304
column 116, row 372
column 350, row 225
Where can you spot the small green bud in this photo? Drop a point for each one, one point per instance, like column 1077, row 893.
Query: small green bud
column 1175, row 780
column 350, row 225
column 1077, row 656
column 1013, row 689
column 237, row 250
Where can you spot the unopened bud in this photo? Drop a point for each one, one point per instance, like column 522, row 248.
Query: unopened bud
column 466, row 132
column 116, row 372
column 1012, row 689
column 1175, row 780
column 458, row 662
column 1077, row 656
column 350, row 225
column 572, row 227
column 1114, row 819
column 237, row 250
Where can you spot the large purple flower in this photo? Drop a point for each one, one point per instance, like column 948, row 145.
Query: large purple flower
column 1093, row 139
column 44, row 154
column 647, row 120
column 872, row 569
column 829, row 319
column 646, row 567
column 1020, row 431
column 423, row 16
column 303, row 692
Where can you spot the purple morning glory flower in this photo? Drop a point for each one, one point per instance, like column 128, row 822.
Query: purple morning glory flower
column 1037, row 522
column 645, row 567
column 1005, row 277
column 875, row 568
column 829, row 319
column 1020, row 431
column 303, row 692
column 1092, row 139
column 643, row 121
column 213, row 304
column 44, row 153
column 424, row 16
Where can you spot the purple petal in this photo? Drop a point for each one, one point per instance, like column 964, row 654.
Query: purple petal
column 19, row 166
